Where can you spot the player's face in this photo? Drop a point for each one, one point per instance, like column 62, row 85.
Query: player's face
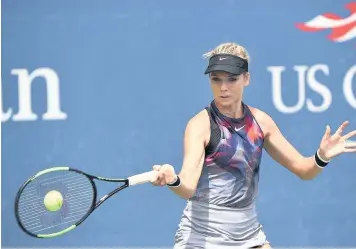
column 228, row 88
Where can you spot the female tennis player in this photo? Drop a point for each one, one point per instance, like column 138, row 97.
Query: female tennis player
column 222, row 153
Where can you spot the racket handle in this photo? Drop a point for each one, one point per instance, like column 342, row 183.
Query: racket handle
column 150, row 176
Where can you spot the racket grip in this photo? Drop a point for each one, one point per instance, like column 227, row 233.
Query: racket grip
column 150, row 176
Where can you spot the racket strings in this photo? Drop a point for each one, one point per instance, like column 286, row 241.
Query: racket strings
column 77, row 192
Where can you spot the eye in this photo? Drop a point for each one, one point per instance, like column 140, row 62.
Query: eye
column 215, row 79
column 232, row 80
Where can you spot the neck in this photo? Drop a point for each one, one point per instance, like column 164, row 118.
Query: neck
column 233, row 111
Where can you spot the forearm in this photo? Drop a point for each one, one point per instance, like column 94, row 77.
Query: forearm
column 309, row 168
column 184, row 190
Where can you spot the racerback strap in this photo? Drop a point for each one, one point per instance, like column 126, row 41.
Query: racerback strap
column 215, row 133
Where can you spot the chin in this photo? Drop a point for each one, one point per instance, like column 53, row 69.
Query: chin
column 224, row 102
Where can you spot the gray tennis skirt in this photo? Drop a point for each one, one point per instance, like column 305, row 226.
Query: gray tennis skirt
column 204, row 225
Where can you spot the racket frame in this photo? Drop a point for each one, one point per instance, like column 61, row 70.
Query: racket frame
column 95, row 203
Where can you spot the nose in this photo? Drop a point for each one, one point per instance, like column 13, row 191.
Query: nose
column 223, row 87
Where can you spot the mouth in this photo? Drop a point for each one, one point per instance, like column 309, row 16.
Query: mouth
column 224, row 97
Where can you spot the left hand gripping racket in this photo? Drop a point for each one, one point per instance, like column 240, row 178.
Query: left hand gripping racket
column 57, row 200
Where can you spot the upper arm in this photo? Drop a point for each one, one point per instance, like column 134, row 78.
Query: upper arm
column 196, row 136
column 277, row 146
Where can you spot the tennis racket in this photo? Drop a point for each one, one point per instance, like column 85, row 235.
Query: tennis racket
column 57, row 200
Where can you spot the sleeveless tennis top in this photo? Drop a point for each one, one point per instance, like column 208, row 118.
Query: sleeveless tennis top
column 232, row 159
column 222, row 214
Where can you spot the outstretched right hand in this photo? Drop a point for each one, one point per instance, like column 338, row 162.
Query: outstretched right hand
column 166, row 174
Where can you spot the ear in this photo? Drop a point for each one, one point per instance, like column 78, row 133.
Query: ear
column 246, row 77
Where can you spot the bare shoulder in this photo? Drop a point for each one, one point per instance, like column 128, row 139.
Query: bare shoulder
column 264, row 120
column 199, row 126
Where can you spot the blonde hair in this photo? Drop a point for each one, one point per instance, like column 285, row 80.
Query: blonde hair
column 229, row 48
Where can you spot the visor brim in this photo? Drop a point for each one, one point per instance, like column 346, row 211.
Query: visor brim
column 225, row 68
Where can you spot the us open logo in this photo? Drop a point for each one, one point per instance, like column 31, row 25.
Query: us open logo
column 25, row 80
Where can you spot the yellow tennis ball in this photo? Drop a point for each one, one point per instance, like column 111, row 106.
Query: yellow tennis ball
column 53, row 200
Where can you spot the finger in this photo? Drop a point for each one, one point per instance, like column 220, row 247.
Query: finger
column 168, row 167
column 350, row 144
column 163, row 182
column 159, row 179
column 350, row 134
column 350, row 150
column 327, row 132
column 341, row 128
column 164, row 166
column 157, row 167
column 156, row 183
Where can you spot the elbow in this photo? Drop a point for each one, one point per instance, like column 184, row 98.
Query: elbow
column 304, row 170
column 187, row 195
column 306, row 175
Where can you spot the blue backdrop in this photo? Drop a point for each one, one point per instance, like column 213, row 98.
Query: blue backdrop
column 108, row 86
